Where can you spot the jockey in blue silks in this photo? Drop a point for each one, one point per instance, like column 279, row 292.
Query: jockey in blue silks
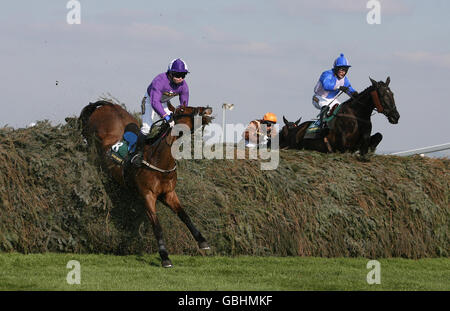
column 329, row 86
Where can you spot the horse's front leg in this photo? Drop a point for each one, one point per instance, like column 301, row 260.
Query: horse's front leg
column 150, row 204
column 364, row 145
column 172, row 201
column 375, row 139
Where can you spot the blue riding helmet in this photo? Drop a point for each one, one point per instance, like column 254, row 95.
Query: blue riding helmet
column 178, row 65
column 341, row 61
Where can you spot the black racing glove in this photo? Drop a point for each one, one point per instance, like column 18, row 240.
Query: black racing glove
column 343, row 89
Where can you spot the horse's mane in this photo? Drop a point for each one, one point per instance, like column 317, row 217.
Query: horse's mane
column 360, row 95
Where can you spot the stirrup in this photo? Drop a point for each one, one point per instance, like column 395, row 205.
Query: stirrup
column 136, row 159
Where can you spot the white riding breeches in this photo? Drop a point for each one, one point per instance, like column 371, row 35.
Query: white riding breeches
column 319, row 101
column 150, row 115
column 263, row 142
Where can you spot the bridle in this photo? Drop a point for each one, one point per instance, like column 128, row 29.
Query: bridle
column 376, row 100
column 165, row 134
column 156, row 144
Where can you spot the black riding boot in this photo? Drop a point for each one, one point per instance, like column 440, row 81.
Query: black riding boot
column 323, row 125
column 322, row 116
column 138, row 155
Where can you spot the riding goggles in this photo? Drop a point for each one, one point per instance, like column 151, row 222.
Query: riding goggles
column 178, row 74
column 268, row 122
column 342, row 68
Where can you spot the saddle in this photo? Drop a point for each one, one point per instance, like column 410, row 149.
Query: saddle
column 122, row 151
column 157, row 130
column 316, row 129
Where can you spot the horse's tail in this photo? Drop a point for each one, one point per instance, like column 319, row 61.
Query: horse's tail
column 87, row 112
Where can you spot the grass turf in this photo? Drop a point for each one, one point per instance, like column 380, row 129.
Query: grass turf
column 196, row 273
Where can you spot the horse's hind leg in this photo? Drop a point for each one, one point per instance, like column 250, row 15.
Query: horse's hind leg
column 171, row 200
column 375, row 139
column 150, row 204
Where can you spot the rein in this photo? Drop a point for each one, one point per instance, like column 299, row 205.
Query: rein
column 350, row 116
column 376, row 100
column 158, row 141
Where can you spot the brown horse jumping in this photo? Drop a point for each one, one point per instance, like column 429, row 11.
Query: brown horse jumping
column 104, row 123
column 352, row 127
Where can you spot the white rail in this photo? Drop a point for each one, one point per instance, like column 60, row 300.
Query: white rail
column 423, row 150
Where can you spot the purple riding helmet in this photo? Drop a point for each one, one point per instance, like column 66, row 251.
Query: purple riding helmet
column 178, row 65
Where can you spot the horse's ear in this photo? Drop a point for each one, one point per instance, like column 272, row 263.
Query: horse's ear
column 388, row 80
column 374, row 83
column 171, row 108
column 298, row 121
column 285, row 121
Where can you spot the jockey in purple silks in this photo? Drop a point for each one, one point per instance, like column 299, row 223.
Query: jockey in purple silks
column 164, row 87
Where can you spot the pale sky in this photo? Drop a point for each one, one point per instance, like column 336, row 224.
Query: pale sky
column 262, row 56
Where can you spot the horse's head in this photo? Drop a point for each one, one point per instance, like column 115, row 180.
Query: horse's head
column 287, row 129
column 386, row 100
column 289, row 126
column 186, row 114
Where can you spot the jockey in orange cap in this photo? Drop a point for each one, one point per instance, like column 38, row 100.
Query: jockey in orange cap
column 254, row 135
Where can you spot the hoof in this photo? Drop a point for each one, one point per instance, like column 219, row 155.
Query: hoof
column 203, row 245
column 167, row 264
column 364, row 158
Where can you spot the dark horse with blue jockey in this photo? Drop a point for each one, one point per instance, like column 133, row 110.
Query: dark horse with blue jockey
column 348, row 125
